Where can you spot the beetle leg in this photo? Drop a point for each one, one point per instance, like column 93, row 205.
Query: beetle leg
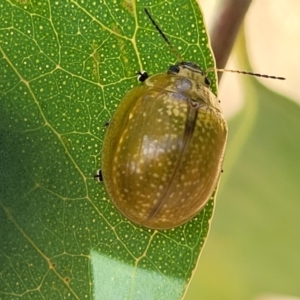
column 99, row 176
column 142, row 75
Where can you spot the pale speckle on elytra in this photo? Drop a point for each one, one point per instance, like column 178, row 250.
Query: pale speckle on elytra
column 175, row 112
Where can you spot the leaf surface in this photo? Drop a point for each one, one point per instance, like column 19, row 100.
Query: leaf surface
column 66, row 65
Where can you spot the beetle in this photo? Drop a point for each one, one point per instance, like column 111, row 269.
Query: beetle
column 164, row 147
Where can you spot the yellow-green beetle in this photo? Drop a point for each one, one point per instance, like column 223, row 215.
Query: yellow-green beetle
column 163, row 150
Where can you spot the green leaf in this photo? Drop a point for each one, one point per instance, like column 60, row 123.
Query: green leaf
column 65, row 66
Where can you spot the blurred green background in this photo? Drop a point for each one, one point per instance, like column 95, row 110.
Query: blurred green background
column 254, row 243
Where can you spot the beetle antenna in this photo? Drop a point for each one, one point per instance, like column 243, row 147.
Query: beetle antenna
column 175, row 52
column 245, row 73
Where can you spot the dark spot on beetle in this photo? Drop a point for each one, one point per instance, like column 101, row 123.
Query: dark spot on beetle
column 207, row 81
column 142, row 76
column 98, row 176
column 222, row 171
column 174, row 69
